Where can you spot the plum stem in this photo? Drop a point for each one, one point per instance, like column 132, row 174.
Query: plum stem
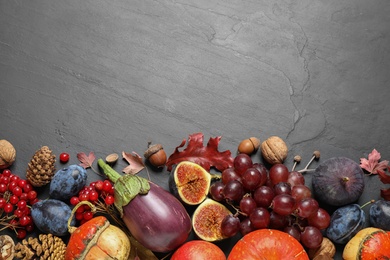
column 367, row 203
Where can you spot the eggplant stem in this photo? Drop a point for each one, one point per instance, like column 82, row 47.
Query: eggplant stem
column 108, row 171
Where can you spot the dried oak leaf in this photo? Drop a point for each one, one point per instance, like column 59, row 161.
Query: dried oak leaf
column 206, row 156
column 86, row 161
column 135, row 163
column 373, row 165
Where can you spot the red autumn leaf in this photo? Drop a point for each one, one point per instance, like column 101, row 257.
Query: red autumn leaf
column 385, row 178
column 372, row 165
column 206, row 156
column 86, row 161
column 135, row 163
column 385, row 194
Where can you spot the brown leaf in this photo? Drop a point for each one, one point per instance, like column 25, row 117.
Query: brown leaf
column 373, row 165
column 135, row 161
column 206, row 156
column 86, row 161
column 385, row 194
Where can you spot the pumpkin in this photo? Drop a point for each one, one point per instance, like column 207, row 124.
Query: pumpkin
column 97, row 239
column 369, row 243
column 268, row 244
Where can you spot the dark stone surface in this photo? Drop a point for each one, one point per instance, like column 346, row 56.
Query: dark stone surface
column 112, row 76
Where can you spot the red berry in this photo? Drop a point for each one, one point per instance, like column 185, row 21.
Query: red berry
column 79, row 215
column 29, row 228
column 32, row 194
column 21, row 234
column 12, row 185
column 80, row 209
column 99, row 185
column 13, row 199
column 109, row 200
column 21, row 183
column 74, row 201
column 87, row 215
column 17, row 191
column 33, row 201
column 93, row 196
column 8, row 208
column 22, row 204
column 4, row 179
column 18, row 213
column 28, row 187
column 23, row 196
column 3, row 188
column 25, row 220
column 15, row 178
column 107, row 186
column 2, row 202
column 84, row 197
column 64, row 157
column 6, row 172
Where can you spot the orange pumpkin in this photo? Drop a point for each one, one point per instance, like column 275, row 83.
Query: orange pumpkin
column 369, row 243
column 268, row 244
column 96, row 239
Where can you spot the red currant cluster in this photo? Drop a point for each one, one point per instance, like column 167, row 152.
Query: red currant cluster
column 16, row 197
column 100, row 193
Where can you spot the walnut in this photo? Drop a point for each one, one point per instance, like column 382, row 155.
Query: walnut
column 7, row 154
column 326, row 251
column 274, row 150
column 7, row 247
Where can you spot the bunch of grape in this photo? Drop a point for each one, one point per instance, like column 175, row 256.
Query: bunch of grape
column 16, row 197
column 100, row 193
column 276, row 198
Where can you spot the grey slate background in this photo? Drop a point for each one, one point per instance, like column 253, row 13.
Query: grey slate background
column 111, row 76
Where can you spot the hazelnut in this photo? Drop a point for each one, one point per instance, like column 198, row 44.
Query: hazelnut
column 156, row 155
column 274, row 150
column 249, row 145
column 7, row 154
column 327, row 250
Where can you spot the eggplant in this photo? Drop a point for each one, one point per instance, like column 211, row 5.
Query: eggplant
column 156, row 218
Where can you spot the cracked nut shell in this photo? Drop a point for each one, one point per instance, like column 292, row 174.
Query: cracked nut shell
column 274, row 150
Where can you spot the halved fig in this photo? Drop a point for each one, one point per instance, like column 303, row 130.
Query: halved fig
column 338, row 181
column 207, row 219
column 190, row 183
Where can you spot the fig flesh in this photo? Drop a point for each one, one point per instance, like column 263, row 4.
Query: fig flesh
column 207, row 220
column 338, row 181
column 345, row 222
column 380, row 214
column 190, row 183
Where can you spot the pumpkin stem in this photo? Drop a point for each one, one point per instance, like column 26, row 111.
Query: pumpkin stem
column 71, row 229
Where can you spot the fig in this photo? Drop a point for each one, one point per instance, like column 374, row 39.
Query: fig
column 338, row 181
column 207, row 220
column 190, row 183
column 345, row 222
column 380, row 214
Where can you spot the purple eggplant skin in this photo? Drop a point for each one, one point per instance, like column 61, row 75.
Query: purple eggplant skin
column 158, row 220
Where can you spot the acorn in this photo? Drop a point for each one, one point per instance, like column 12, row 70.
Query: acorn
column 156, row 155
column 249, row 145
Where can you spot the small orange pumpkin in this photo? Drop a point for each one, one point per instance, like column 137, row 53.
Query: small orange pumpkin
column 268, row 244
column 97, row 239
column 369, row 243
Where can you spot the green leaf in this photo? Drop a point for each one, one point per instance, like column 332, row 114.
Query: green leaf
column 126, row 188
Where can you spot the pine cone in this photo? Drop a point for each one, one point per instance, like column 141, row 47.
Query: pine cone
column 45, row 247
column 41, row 168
